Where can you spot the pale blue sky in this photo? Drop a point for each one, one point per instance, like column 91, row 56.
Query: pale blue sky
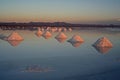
column 74, row 11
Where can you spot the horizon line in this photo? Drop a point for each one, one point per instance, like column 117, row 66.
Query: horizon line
column 61, row 22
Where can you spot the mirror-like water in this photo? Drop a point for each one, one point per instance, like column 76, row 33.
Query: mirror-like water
column 48, row 58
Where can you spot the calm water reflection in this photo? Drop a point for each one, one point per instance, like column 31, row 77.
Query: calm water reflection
column 14, row 43
column 61, row 40
column 48, row 58
column 103, row 50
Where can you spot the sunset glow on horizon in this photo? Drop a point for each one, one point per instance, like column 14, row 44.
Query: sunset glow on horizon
column 72, row 11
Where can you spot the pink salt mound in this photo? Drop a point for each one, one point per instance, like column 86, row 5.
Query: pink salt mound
column 103, row 42
column 61, row 35
column 47, row 34
column 39, row 33
column 14, row 36
column 76, row 38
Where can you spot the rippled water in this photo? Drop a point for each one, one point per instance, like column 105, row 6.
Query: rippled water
column 38, row 58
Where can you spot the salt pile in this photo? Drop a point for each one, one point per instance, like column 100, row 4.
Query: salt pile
column 14, row 36
column 39, row 32
column 103, row 42
column 61, row 35
column 76, row 38
column 70, row 29
column 47, row 33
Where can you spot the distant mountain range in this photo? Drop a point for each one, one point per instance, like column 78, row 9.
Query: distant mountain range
column 55, row 24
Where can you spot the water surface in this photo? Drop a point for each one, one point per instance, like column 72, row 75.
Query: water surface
column 38, row 58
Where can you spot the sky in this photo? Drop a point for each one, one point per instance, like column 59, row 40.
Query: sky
column 72, row 11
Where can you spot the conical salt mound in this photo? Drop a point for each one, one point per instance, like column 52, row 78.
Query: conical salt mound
column 103, row 42
column 14, row 36
column 59, row 29
column 47, row 34
column 76, row 38
column 39, row 33
column 64, row 29
column 70, row 29
column 47, row 37
column 42, row 29
column 39, row 29
column 61, row 36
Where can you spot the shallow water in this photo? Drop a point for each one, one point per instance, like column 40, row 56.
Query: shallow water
column 37, row 58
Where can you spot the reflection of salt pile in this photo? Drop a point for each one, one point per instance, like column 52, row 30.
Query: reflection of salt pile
column 47, row 34
column 39, row 32
column 103, row 42
column 14, row 36
column 15, row 43
column 102, row 50
column 76, row 44
column 61, row 40
column 76, row 38
column 61, row 36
